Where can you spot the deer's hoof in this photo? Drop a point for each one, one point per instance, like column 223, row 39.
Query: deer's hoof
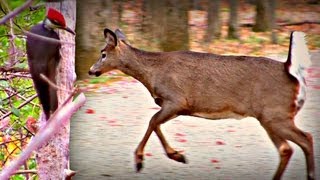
column 139, row 164
column 139, row 167
column 178, row 157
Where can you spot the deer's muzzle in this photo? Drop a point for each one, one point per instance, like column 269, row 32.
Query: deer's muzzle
column 97, row 73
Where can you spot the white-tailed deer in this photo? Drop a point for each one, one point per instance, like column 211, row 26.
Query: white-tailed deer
column 215, row 87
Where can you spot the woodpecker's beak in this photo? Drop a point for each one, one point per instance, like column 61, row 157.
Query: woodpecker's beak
column 69, row 30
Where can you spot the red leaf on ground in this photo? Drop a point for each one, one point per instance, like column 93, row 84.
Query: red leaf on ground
column 148, row 154
column 182, row 140
column 217, row 167
column 231, row 130
column 112, row 121
column 220, row 142
column 180, row 134
column 90, row 111
column 214, row 161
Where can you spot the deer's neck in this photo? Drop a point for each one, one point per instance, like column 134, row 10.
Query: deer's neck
column 139, row 64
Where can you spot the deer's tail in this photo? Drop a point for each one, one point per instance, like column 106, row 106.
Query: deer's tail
column 297, row 62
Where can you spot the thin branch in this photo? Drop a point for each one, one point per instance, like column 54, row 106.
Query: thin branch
column 46, row 38
column 13, row 69
column 54, row 124
column 53, row 85
column 26, row 172
column 15, row 12
column 20, row 106
column 36, row 7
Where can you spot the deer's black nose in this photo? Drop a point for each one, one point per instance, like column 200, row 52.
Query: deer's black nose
column 97, row 73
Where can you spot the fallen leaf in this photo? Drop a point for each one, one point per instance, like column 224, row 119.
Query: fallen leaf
column 182, row 140
column 90, row 111
column 214, row 161
column 220, row 142
column 180, row 134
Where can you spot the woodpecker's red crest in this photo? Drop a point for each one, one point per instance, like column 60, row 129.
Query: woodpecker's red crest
column 56, row 17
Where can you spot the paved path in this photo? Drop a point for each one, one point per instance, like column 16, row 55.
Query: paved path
column 102, row 143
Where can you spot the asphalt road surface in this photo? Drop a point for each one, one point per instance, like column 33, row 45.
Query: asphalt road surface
column 106, row 131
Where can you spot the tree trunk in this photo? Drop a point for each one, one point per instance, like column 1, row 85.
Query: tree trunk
column 233, row 20
column 174, row 32
column 53, row 158
column 262, row 20
column 214, row 24
column 273, row 15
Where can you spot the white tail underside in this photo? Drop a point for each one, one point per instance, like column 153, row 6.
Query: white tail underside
column 300, row 60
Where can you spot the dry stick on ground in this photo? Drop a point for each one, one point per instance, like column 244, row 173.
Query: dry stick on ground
column 284, row 24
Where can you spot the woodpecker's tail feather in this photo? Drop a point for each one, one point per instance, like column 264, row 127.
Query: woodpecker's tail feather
column 297, row 62
column 47, row 96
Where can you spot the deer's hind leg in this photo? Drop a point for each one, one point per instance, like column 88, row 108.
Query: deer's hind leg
column 281, row 130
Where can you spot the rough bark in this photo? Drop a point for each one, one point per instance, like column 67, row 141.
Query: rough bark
column 52, row 158
column 233, row 20
column 214, row 24
column 262, row 18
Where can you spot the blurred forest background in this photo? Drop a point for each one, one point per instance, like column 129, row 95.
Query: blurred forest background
column 244, row 27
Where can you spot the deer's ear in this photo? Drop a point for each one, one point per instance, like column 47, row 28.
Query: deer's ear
column 120, row 35
column 110, row 37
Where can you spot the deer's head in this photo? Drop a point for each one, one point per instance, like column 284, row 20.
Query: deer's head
column 110, row 54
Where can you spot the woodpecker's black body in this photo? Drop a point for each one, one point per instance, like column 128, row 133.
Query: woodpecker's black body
column 44, row 56
column 44, row 60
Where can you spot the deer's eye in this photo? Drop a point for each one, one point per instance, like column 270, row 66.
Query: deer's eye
column 103, row 55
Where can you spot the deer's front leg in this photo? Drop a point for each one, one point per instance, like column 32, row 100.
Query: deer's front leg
column 166, row 113
column 171, row 153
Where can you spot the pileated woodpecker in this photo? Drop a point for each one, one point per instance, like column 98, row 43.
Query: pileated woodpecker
column 44, row 56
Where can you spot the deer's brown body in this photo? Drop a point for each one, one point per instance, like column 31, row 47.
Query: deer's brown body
column 213, row 87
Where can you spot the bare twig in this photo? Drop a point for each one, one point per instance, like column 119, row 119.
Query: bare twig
column 46, row 38
column 20, row 106
column 43, row 77
column 13, row 69
column 26, row 172
column 15, row 12
column 56, row 121
column 36, row 7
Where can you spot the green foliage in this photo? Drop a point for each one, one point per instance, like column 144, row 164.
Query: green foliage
column 98, row 80
column 17, row 177
column 22, row 85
